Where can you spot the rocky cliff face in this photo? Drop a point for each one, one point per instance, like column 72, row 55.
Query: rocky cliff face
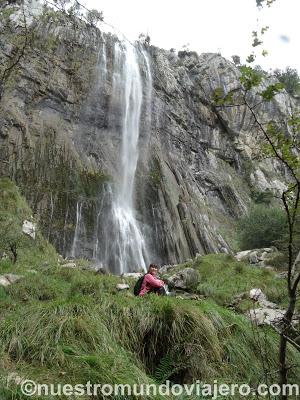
column 60, row 141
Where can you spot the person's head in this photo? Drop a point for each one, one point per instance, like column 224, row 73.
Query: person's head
column 152, row 269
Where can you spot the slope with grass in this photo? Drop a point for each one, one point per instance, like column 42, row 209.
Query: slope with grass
column 63, row 325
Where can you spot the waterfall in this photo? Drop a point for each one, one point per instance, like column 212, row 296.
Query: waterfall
column 122, row 245
column 77, row 229
column 128, row 248
column 118, row 240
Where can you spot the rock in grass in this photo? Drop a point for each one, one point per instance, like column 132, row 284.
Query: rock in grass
column 135, row 275
column 186, row 279
column 122, row 286
column 266, row 316
column 29, row 229
column 69, row 265
column 4, row 281
column 8, row 279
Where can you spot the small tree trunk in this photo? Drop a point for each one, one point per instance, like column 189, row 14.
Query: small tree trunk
column 13, row 249
column 288, row 318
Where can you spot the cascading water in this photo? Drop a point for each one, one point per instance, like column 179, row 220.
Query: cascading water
column 118, row 240
column 77, row 229
column 126, row 248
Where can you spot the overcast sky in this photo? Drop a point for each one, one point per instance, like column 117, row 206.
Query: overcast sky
column 210, row 26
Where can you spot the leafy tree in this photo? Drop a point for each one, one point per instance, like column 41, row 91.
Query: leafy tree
column 290, row 80
column 11, row 236
column 93, row 17
column 236, row 59
column 280, row 140
column 261, row 227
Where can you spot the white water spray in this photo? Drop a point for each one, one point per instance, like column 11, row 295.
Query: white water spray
column 77, row 229
column 129, row 244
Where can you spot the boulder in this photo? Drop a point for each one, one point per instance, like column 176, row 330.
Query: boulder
column 4, row 281
column 257, row 257
column 267, row 313
column 29, row 228
column 255, row 294
column 8, row 279
column 69, row 265
column 165, row 268
column 122, row 286
column 186, row 279
column 266, row 316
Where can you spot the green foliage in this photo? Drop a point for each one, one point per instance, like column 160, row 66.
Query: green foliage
column 261, row 3
column 249, row 77
column 271, row 91
column 155, row 172
column 236, row 59
column 290, row 80
column 221, row 98
column 13, row 211
column 283, row 146
column 265, row 197
column 94, row 16
column 261, row 227
column 63, row 325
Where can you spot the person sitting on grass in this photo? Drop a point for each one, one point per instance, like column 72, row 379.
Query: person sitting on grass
column 151, row 284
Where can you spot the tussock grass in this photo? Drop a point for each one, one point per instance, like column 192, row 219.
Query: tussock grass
column 62, row 325
column 222, row 277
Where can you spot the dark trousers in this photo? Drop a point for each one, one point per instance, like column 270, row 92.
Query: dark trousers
column 160, row 291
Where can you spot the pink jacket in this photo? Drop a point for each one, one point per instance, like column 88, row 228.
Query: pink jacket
column 150, row 282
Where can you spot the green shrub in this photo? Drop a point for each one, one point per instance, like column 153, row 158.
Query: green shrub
column 261, row 227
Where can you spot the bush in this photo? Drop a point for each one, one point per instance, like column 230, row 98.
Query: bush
column 290, row 79
column 261, row 227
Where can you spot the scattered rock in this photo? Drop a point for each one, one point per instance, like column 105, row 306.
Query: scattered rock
column 224, row 250
column 45, row 264
column 8, row 279
column 186, row 279
column 257, row 257
column 165, row 268
column 122, row 286
column 282, row 275
column 29, row 228
column 69, row 265
column 189, row 296
column 267, row 313
column 4, row 281
column 100, row 270
column 4, row 256
column 134, row 275
column 255, row 294
column 253, row 258
column 266, row 316
column 13, row 377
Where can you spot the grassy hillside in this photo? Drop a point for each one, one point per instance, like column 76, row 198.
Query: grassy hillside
column 71, row 325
